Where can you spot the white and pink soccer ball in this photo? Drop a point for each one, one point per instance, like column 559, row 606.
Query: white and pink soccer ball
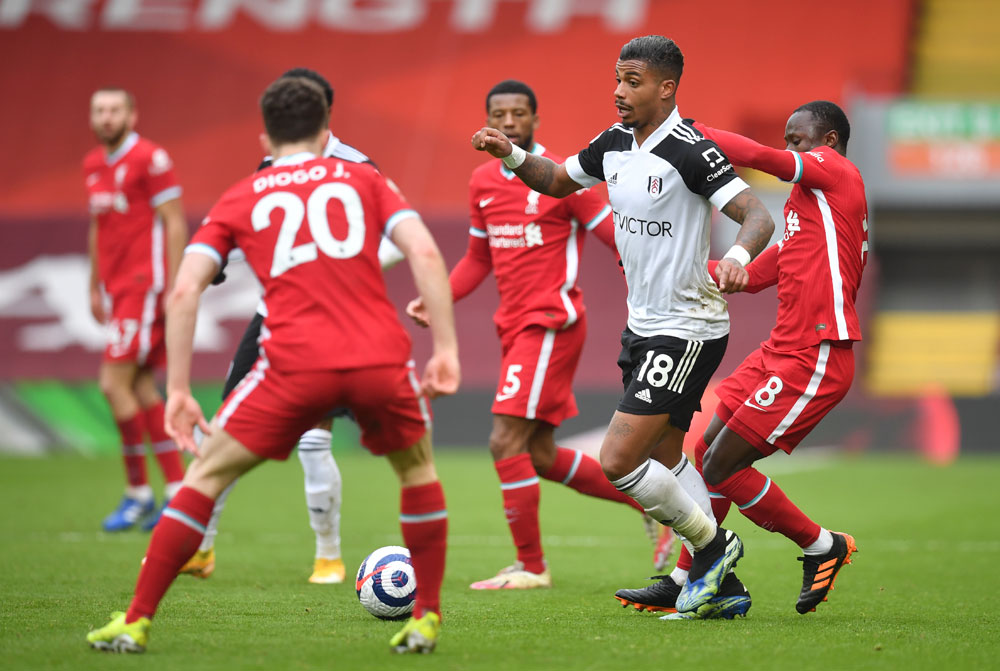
column 386, row 584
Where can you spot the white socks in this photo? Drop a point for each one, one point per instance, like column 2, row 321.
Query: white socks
column 692, row 482
column 323, row 495
column 212, row 528
column 822, row 545
column 662, row 496
column 323, row 491
column 143, row 493
column 690, row 479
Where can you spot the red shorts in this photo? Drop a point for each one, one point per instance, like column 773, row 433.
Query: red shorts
column 537, row 369
column 135, row 330
column 774, row 399
column 270, row 410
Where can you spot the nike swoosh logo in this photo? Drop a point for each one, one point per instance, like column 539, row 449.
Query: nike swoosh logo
column 755, row 407
column 486, row 201
column 363, row 580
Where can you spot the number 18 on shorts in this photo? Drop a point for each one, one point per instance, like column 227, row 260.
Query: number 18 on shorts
column 667, row 375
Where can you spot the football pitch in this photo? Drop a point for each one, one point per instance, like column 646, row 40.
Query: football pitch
column 922, row 592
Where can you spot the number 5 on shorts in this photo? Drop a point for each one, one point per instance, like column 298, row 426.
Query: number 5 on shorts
column 513, row 384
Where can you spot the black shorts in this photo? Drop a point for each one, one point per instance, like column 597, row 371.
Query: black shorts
column 246, row 356
column 667, row 375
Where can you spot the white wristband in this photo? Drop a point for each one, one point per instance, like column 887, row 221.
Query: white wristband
column 738, row 253
column 516, row 158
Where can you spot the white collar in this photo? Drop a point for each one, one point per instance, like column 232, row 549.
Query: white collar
column 660, row 133
column 294, row 159
column 125, row 148
column 332, row 142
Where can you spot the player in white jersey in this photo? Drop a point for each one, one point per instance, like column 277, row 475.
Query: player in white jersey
column 323, row 484
column 663, row 176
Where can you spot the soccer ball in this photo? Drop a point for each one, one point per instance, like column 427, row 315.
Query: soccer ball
column 386, row 585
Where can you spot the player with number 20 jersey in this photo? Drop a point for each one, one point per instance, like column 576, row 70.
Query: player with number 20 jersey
column 262, row 215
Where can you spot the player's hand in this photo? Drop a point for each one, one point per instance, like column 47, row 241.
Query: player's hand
column 493, row 142
column 418, row 312
column 732, row 276
column 97, row 306
column 441, row 376
column 181, row 415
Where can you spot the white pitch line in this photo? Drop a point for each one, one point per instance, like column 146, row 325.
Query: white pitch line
column 873, row 544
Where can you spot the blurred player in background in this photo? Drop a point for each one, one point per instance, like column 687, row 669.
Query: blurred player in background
column 323, row 483
column 137, row 234
column 781, row 391
column 533, row 244
column 310, row 228
column 663, row 177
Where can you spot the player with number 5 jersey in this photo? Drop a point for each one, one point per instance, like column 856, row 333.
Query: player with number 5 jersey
column 532, row 243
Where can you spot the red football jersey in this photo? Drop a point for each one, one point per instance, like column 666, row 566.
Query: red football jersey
column 124, row 189
column 822, row 253
column 310, row 229
column 533, row 243
column 818, row 262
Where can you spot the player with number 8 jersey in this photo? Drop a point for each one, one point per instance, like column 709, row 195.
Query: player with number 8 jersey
column 782, row 390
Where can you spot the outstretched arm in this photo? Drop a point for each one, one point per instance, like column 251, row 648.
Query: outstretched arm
column 807, row 168
column 541, row 174
column 756, row 228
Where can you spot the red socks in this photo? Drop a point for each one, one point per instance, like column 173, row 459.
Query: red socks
column 583, row 473
column 720, row 504
column 133, row 450
column 424, row 520
column 166, row 451
column 175, row 538
column 767, row 506
column 519, row 485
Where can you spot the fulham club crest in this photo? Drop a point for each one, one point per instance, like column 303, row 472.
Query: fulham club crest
column 655, row 186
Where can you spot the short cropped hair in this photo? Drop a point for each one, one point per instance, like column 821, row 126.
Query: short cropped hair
column 513, row 86
column 829, row 116
column 294, row 109
column 129, row 98
column 662, row 53
column 315, row 77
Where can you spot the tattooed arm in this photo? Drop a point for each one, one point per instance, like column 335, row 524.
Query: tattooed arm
column 756, row 228
column 541, row 174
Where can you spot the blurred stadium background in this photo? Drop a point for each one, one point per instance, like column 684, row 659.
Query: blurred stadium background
column 920, row 81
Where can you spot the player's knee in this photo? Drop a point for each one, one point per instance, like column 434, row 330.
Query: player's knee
column 505, row 443
column 109, row 385
column 615, row 464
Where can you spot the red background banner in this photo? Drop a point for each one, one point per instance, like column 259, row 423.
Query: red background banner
column 410, row 79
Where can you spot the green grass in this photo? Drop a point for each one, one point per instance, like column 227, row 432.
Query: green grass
column 922, row 593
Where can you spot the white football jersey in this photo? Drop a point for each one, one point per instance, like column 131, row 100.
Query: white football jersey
column 661, row 195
